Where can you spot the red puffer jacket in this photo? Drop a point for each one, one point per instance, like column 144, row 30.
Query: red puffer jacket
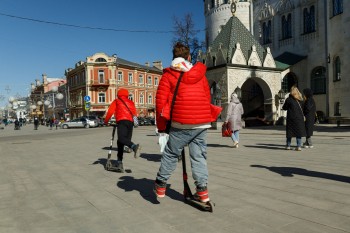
column 120, row 111
column 192, row 105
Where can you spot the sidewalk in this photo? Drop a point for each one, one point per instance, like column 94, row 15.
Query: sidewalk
column 54, row 181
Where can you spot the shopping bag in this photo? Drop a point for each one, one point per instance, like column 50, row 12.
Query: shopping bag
column 136, row 121
column 226, row 130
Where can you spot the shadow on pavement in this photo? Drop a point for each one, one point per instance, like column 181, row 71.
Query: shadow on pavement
column 145, row 188
column 107, row 148
column 291, row 171
column 267, row 146
column 103, row 162
column 217, row 145
column 151, row 157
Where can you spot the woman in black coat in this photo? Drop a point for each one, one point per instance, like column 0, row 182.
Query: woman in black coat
column 309, row 113
column 295, row 118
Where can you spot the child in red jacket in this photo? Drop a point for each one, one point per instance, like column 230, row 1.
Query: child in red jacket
column 123, row 110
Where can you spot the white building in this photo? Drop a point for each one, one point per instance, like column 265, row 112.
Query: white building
column 307, row 39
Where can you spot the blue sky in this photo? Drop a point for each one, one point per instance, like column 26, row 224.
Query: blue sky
column 28, row 49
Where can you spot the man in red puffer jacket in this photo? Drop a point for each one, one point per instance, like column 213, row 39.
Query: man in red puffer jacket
column 123, row 110
column 192, row 115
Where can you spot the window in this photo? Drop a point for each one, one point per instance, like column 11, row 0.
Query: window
column 337, row 109
column 141, row 79
column 318, row 80
column 130, row 78
column 141, row 99
column 337, row 7
column 150, row 99
column 101, row 76
column 101, row 97
column 131, row 97
column 309, row 20
column 156, row 81
column 212, row 3
column 120, row 76
column 149, row 80
column 286, row 27
column 337, row 70
column 266, row 28
column 100, row 59
column 288, row 81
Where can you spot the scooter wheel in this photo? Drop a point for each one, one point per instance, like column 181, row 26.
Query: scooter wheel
column 108, row 165
column 211, row 206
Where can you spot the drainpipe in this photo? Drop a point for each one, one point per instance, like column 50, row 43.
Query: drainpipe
column 326, row 55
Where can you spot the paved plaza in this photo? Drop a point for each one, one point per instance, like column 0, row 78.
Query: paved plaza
column 54, row 181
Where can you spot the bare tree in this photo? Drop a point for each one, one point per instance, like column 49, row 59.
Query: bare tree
column 185, row 33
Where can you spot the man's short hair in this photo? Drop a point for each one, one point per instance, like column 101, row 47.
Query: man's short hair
column 180, row 50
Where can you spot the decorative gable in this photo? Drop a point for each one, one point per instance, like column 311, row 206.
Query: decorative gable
column 269, row 61
column 238, row 57
column 285, row 6
column 254, row 59
column 266, row 12
column 220, row 56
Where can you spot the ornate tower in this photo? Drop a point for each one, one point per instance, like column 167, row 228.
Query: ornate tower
column 218, row 12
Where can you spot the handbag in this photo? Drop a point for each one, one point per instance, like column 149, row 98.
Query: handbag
column 226, row 130
column 134, row 118
column 168, row 123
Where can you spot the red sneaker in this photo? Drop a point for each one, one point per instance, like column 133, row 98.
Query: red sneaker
column 202, row 194
column 159, row 188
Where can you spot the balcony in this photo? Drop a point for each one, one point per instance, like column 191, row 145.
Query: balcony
column 98, row 83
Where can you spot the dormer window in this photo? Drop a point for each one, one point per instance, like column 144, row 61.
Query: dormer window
column 100, row 59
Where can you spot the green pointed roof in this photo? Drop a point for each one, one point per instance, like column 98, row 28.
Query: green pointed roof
column 232, row 33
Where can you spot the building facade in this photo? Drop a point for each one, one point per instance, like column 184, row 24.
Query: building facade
column 307, row 38
column 101, row 76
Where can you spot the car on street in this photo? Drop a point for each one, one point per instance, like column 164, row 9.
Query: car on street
column 75, row 123
column 91, row 120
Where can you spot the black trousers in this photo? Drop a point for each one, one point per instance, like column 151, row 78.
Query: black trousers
column 124, row 130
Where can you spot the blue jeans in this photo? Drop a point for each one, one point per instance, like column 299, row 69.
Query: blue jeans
column 235, row 136
column 289, row 141
column 196, row 139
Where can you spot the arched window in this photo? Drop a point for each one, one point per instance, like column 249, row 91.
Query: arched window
column 309, row 20
column 288, row 81
column 318, row 80
column 266, row 28
column 100, row 59
column 286, row 26
column 156, row 81
column 130, row 78
column 141, row 99
column 150, row 99
column 141, row 81
column 337, row 71
column 131, row 97
column 120, row 76
column 149, row 80
column 337, row 6
column 214, row 61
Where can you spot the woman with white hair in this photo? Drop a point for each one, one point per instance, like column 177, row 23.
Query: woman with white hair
column 234, row 118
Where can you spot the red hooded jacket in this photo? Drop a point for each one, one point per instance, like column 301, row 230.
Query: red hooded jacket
column 119, row 109
column 192, row 105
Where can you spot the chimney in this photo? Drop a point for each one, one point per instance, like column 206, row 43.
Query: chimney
column 147, row 64
column 158, row 65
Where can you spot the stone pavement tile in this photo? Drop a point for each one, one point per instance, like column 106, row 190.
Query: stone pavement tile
column 264, row 216
column 80, row 214
column 104, row 201
column 307, row 213
column 150, row 227
column 302, row 226
column 249, row 226
column 70, row 204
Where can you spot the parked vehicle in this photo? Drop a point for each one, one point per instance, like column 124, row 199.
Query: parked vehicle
column 145, row 121
column 98, row 122
column 75, row 123
column 91, row 120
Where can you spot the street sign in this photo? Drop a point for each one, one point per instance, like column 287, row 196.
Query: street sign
column 87, row 106
column 87, row 98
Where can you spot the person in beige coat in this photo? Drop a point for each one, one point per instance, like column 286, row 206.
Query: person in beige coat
column 234, row 118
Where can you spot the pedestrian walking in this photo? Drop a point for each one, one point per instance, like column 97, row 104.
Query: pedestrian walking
column 51, row 122
column 56, row 122
column 191, row 114
column 234, row 118
column 310, row 116
column 36, row 123
column 123, row 110
column 295, row 118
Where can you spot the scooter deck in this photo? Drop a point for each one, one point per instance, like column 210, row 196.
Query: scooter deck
column 207, row 206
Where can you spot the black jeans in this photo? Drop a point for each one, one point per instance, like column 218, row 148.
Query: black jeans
column 124, row 130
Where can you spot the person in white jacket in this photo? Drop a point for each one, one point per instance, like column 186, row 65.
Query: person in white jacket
column 234, row 118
